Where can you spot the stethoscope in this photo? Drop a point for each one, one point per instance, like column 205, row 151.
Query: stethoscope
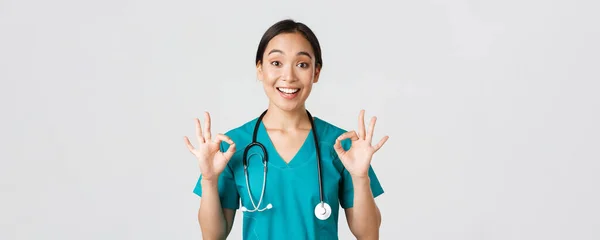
column 322, row 209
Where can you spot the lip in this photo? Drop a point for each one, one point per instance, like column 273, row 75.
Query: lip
column 299, row 89
column 288, row 96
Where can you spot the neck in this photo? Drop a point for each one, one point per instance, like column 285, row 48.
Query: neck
column 275, row 118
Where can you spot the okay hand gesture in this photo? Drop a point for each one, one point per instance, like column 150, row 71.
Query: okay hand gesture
column 357, row 159
column 211, row 160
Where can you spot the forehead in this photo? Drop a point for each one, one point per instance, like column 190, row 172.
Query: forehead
column 291, row 43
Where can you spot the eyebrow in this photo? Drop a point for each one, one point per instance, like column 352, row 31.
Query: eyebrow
column 299, row 53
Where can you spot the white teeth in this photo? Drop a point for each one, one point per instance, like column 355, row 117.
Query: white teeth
column 289, row 90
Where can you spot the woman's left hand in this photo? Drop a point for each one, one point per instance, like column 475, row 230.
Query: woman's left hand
column 357, row 159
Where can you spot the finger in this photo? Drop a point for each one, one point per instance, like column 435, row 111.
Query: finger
column 351, row 134
column 199, row 131
column 371, row 129
column 231, row 150
column 188, row 144
column 207, row 134
column 338, row 142
column 381, row 142
column 222, row 137
column 361, row 124
column 338, row 148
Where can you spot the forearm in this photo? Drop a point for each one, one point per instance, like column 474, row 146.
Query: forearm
column 366, row 218
column 210, row 215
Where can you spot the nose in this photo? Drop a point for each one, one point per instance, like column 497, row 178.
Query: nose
column 288, row 73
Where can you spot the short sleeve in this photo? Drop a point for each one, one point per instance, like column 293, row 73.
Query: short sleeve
column 227, row 189
column 347, row 188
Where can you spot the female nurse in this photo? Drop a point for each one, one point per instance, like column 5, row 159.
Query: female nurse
column 293, row 184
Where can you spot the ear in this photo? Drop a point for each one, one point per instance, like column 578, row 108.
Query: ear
column 317, row 74
column 259, row 72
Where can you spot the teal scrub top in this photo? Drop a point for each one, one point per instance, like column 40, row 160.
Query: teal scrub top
column 291, row 188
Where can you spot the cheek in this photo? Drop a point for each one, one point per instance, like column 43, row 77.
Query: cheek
column 267, row 85
column 307, row 77
column 271, row 76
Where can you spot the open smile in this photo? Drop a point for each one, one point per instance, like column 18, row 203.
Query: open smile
column 288, row 90
column 288, row 93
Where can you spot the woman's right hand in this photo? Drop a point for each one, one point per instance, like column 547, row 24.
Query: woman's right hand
column 211, row 160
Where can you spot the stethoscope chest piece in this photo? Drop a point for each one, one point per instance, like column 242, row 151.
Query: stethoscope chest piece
column 322, row 211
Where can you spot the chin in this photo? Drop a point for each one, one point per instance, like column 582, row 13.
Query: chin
column 288, row 107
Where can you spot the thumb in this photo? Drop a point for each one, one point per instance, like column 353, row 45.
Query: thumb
column 338, row 142
column 230, row 151
column 338, row 148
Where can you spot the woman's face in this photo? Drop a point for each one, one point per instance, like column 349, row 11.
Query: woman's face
column 288, row 71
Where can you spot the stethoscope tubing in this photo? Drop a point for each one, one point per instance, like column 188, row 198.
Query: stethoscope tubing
column 265, row 160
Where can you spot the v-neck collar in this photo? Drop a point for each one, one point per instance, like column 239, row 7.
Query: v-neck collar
column 299, row 158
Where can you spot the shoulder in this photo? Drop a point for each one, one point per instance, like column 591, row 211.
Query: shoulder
column 328, row 132
column 240, row 135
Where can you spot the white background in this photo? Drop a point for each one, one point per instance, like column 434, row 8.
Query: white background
column 491, row 108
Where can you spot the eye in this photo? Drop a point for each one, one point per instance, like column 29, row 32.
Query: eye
column 275, row 63
column 303, row 65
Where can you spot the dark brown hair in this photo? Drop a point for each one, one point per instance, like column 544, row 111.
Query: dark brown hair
column 289, row 26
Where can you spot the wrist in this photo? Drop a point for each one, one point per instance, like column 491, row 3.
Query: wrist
column 208, row 183
column 360, row 179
